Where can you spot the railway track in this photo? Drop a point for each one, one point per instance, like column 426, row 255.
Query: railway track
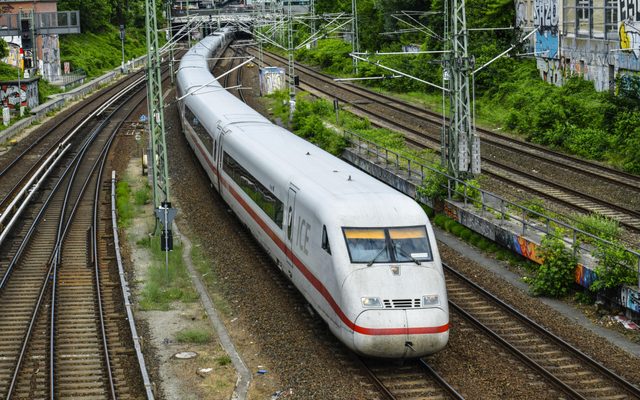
column 14, row 171
column 62, row 321
column 564, row 366
column 576, row 184
column 412, row 380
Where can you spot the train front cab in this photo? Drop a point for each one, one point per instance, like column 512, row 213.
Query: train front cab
column 397, row 282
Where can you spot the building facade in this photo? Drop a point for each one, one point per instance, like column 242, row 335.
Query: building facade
column 598, row 40
column 32, row 29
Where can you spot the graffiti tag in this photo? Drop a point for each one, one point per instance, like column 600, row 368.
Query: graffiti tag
column 545, row 15
column 629, row 26
column 11, row 95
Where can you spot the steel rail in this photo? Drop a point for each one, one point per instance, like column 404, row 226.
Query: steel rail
column 62, row 235
column 27, row 192
column 53, row 256
column 444, row 384
column 627, row 386
column 126, row 294
column 45, row 135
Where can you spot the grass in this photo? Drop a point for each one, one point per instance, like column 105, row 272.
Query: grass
column 97, row 53
column 223, row 360
column 9, row 72
column 194, row 335
column 598, row 225
column 165, row 284
column 124, row 206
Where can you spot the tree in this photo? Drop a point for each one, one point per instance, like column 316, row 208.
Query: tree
column 4, row 49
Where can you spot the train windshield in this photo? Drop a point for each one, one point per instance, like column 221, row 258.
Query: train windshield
column 385, row 245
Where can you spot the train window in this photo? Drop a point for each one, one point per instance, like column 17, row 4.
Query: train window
column 197, row 127
column 410, row 243
column 215, row 150
column 260, row 195
column 367, row 245
column 384, row 245
column 325, row 240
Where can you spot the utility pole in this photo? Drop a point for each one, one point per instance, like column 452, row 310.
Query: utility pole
column 355, row 43
column 170, row 38
column 463, row 144
column 313, row 21
column 158, row 150
column 122, row 68
column 292, row 84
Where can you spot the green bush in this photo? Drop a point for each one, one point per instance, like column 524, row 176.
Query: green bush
column 616, row 267
column 434, row 185
column 556, row 275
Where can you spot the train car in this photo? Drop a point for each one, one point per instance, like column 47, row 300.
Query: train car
column 362, row 254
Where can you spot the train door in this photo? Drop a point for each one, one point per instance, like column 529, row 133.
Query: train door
column 290, row 221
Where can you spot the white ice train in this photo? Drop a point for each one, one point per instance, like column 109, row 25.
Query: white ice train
column 363, row 255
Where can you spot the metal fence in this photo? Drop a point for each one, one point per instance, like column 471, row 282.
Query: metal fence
column 488, row 202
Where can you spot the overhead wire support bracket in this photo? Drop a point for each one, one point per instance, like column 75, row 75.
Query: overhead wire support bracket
column 395, row 71
column 367, row 78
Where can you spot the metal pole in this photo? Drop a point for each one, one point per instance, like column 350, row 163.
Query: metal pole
column 122, row 42
column 354, row 40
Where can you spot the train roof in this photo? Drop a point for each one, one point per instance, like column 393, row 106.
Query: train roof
column 285, row 157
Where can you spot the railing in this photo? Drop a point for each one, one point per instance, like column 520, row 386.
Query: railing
column 497, row 206
column 43, row 23
column 67, row 78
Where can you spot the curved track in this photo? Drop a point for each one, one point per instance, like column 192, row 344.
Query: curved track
column 61, row 331
column 581, row 185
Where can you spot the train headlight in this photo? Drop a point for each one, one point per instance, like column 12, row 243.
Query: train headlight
column 371, row 302
column 430, row 300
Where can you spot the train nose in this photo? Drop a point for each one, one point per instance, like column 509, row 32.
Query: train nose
column 401, row 333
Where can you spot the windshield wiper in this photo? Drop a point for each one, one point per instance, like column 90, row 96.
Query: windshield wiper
column 399, row 250
column 377, row 255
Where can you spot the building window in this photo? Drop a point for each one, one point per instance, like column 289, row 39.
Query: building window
column 611, row 19
column 583, row 16
column 260, row 195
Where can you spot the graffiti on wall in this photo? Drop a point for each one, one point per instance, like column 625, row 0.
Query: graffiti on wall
column 50, row 66
column 584, row 276
column 527, row 249
column 451, row 212
column 521, row 14
column 629, row 26
column 271, row 79
column 11, row 95
column 546, row 18
column 551, row 71
column 630, row 299
column 629, row 84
